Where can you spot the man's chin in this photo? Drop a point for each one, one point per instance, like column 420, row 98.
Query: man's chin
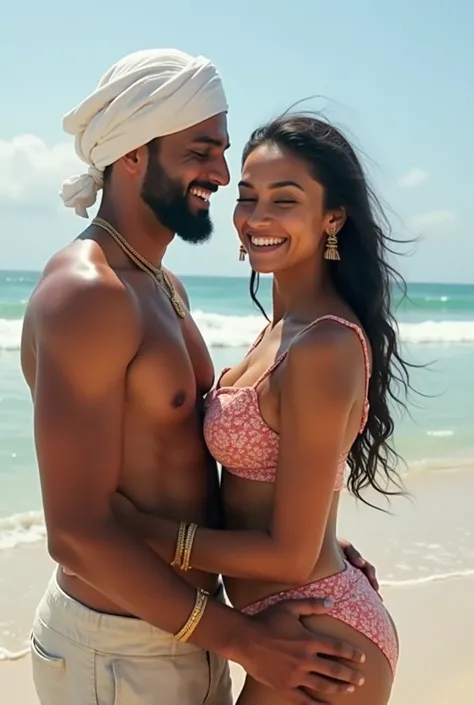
column 197, row 231
column 194, row 238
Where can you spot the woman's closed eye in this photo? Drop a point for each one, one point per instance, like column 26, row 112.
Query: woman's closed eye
column 279, row 201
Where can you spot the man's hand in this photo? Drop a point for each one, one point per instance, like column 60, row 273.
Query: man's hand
column 353, row 557
column 295, row 661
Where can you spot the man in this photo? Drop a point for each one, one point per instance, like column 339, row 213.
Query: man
column 117, row 371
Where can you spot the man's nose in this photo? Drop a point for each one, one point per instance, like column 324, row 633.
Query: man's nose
column 219, row 174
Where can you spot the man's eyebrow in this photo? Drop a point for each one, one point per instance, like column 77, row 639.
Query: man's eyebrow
column 205, row 139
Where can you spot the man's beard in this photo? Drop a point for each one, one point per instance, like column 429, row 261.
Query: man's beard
column 165, row 197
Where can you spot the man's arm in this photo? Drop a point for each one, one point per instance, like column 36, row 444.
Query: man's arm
column 86, row 333
column 85, row 340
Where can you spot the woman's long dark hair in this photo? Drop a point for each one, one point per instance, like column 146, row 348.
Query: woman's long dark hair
column 362, row 277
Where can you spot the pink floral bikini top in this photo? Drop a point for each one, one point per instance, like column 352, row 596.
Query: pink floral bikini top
column 239, row 438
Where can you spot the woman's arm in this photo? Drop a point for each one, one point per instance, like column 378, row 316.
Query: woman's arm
column 319, row 388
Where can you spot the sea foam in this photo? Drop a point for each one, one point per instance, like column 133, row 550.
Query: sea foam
column 223, row 331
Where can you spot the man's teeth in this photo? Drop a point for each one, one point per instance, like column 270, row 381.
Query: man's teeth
column 205, row 195
column 266, row 241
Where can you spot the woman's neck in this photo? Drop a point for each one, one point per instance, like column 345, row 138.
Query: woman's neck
column 297, row 291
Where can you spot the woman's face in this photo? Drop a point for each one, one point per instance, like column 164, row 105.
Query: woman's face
column 280, row 214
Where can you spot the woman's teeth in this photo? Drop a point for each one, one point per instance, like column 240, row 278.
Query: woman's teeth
column 205, row 195
column 266, row 241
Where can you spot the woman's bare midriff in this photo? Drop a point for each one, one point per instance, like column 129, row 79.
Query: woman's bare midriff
column 248, row 505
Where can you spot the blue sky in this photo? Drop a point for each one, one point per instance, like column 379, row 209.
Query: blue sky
column 397, row 76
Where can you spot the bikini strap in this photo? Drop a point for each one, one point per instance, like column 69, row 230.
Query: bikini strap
column 273, row 367
column 365, row 350
column 257, row 340
column 252, row 347
column 357, row 330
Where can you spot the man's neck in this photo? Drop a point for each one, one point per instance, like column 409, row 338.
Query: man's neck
column 141, row 230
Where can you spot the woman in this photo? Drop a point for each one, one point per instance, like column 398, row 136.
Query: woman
column 311, row 395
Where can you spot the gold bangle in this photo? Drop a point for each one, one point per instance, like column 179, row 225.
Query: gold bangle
column 180, row 543
column 195, row 617
column 188, row 546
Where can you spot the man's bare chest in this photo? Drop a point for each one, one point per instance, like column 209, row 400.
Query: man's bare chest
column 171, row 371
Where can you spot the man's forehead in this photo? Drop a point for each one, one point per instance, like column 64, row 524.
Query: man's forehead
column 209, row 132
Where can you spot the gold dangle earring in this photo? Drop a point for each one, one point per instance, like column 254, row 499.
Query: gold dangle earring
column 331, row 252
column 242, row 253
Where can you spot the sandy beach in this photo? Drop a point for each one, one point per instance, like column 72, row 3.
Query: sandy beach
column 424, row 553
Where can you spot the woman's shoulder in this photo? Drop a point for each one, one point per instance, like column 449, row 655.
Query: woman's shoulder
column 331, row 332
column 327, row 347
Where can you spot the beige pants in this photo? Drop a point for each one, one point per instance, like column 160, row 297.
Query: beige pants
column 82, row 657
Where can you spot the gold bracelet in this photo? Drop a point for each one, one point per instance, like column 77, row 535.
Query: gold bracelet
column 180, row 543
column 195, row 617
column 188, row 546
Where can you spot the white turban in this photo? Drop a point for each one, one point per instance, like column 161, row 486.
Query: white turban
column 145, row 95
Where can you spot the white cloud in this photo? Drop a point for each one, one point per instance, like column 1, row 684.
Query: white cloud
column 31, row 172
column 433, row 220
column 413, row 178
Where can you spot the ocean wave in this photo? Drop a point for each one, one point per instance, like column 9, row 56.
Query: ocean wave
column 452, row 303
column 10, row 334
column 7, row 655
column 441, row 433
column 240, row 331
column 439, row 332
column 435, row 578
column 222, row 331
column 19, row 529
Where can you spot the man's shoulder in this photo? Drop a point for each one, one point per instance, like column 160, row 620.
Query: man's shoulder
column 79, row 293
column 72, row 279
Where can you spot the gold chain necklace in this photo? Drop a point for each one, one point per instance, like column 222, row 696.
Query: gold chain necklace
column 159, row 276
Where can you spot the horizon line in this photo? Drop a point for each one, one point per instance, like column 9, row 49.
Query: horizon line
column 240, row 276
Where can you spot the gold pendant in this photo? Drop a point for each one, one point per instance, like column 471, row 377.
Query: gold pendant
column 178, row 308
column 175, row 302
